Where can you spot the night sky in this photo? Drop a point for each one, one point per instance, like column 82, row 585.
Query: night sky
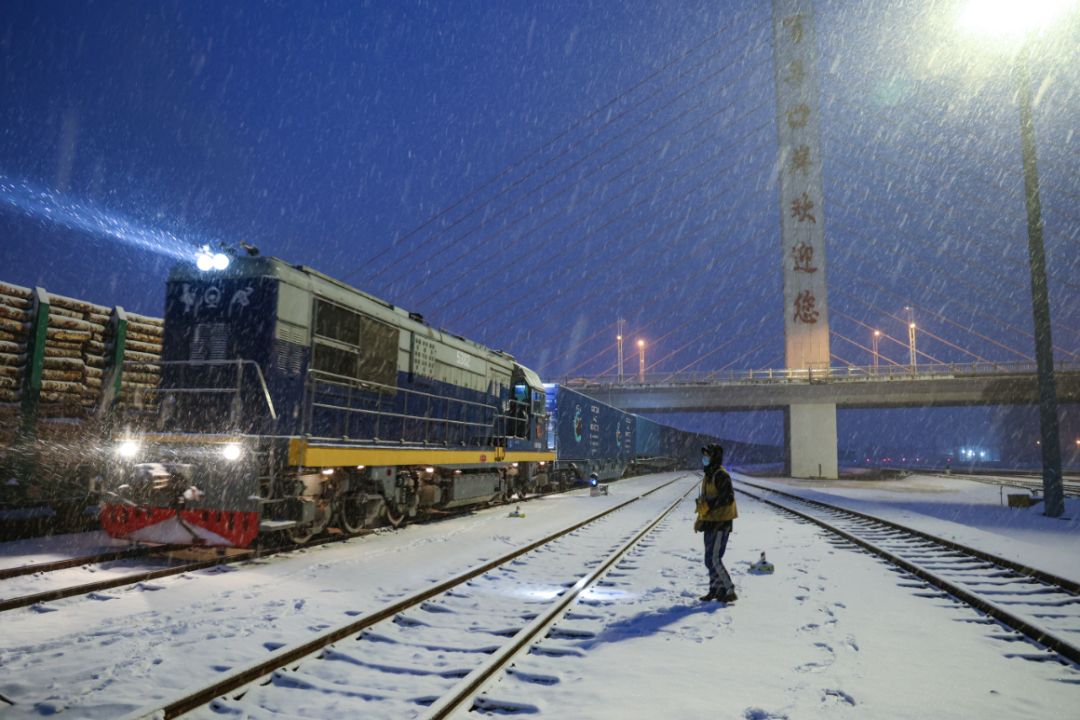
column 527, row 174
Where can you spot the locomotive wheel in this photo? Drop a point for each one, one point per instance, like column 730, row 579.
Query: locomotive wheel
column 300, row 535
column 352, row 513
column 395, row 522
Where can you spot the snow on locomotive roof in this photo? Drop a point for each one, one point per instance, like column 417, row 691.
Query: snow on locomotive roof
column 272, row 267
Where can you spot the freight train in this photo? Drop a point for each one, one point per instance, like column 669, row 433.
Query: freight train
column 286, row 402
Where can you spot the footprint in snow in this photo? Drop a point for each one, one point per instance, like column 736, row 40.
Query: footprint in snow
column 39, row 608
column 837, row 697
column 760, row 714
column 272, row 646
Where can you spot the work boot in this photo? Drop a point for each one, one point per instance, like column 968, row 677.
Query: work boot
column 728, row 597
column 707, row 598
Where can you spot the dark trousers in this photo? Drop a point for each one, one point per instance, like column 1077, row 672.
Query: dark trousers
column 715, row 544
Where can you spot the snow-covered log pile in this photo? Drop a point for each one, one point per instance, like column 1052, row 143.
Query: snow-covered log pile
column 79, row 345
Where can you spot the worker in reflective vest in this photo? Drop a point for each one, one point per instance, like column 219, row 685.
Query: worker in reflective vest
column 716, row 510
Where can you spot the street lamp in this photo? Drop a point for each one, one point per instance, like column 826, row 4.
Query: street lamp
column 1021, row 21
column 911, row 346
column 618, row 338
column 641, row 361
column 876, row 337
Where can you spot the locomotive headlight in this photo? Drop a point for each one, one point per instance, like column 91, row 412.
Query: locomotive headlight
column 230, row 452
column 127, row 449
column 206, row 261
column 430, row 470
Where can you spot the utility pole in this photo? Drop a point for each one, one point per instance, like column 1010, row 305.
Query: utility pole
column 1053, row 493
column 619, row 338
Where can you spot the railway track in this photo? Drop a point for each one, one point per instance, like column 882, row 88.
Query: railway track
column 1039, row 605
column 428, row 654
column 12, row 603
column 1021, row 482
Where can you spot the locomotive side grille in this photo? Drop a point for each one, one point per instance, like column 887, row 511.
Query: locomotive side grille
column 210, row 341
column 290, row 345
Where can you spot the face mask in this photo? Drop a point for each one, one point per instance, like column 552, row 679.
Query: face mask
column 704, row 461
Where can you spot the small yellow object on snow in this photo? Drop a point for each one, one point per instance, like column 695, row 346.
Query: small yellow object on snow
column 763, row 565
column 517, row 513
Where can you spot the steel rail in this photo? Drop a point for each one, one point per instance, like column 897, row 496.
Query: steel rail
column 471, row 683
column 1064, row 583
column 251, row 672
column 86, row 588
column 1032, row 631
column 45, row 567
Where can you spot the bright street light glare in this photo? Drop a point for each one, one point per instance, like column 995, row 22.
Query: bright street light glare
column 1009, row 18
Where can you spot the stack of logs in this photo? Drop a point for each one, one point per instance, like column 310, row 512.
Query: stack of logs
column 78, row 350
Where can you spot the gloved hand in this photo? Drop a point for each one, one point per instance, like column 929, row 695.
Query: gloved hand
column 697, row 526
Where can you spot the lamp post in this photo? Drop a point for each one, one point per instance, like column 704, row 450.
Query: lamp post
column 911, row 346
column 875, row 338
column 619, row 338
column 1026, row 19
column 641, row 361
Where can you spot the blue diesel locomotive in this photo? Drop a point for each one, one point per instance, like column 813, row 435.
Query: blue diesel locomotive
column 290, row 402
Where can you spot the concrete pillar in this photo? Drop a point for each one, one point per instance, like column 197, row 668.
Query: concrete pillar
column 802, row 227
column 810, row 441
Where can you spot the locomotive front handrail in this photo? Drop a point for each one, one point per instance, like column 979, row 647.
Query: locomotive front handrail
column 240, row 364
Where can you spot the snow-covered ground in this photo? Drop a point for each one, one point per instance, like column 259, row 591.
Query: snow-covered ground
column 969, row 512
column 103, row 655
column 832, row 632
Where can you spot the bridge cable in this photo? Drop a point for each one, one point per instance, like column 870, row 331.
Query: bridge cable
column 640, row 265
column 654, row 298
column 487, row 260
column 991, row 295
column 580, row 122
column 730, row 318
column 596, row 231
column 730, row 297
column 606, row 143
column 952, row 189
column 607, row 123
column 920, row 285
column 931, row 312
column 833, row 311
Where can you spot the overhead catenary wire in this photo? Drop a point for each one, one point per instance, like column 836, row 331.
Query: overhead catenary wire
column 746, row 354
column 570, row 129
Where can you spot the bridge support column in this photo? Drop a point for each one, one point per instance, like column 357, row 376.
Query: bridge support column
column 810, row 441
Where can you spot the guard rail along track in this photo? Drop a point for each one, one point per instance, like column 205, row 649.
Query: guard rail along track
column 248, row 679
column 1042, row 606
